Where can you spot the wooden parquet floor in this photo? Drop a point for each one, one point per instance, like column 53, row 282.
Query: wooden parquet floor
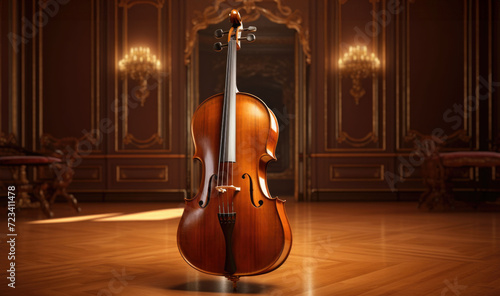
column 338, row 249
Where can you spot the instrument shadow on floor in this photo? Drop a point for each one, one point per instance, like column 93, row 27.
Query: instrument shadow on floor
column 218, row 286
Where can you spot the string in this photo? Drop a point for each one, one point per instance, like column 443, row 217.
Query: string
column 230, row 93
column 224, row 127
column 233, row 93
column 237, row 34
column 222, row 139
column 231, row 106
column 223, row 169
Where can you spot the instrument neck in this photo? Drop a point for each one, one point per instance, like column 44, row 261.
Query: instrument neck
column 228, row 127
column 230, row 86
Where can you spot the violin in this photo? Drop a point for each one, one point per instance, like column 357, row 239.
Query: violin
column 232, row 227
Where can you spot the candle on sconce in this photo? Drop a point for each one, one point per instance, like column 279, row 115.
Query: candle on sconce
column 140, row 65
column 139, row 62
column 341, row 64
column 357, row 64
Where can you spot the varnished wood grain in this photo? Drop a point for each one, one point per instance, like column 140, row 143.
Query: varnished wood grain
column 339, row 249
column 262, row 237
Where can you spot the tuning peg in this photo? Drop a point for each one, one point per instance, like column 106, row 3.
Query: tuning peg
column 219, row 33
column 250, row 29
column 249, row 38
column 218, row 46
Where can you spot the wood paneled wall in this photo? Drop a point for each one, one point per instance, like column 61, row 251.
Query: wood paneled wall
column 59, row 77
column 69, row 86
column 437, row 59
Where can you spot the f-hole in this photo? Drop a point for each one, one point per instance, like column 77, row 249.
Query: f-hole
column 209, row 192
column 251, row 191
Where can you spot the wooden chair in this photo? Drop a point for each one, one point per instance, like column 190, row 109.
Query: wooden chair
column 436, row 178
column 59, row 175
column 437, row 167
column 18, row 160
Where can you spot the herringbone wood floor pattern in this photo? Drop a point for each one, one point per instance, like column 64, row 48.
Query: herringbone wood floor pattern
column 338, row 249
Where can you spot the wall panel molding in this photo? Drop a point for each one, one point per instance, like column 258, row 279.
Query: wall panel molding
column 10, row 44
column 408, row 104
column 142, row 173
column 356, row 172
column 145, row 128
column 56, row 96
column 341, row 134
column 88, row 173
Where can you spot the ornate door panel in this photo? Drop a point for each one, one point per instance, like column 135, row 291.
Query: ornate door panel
column 273, row 68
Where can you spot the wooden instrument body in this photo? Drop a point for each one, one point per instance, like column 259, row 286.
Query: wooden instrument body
column 262, row 238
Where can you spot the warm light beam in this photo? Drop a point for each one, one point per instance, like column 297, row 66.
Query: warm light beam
column 147, row 216
column 72, row 219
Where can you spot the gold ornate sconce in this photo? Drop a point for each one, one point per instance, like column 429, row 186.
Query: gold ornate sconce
column 140, row 65
column 358, row 64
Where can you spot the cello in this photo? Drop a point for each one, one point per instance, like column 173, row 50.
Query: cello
column 233, row 227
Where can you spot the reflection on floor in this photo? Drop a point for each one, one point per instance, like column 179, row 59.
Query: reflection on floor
column 338, row 249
